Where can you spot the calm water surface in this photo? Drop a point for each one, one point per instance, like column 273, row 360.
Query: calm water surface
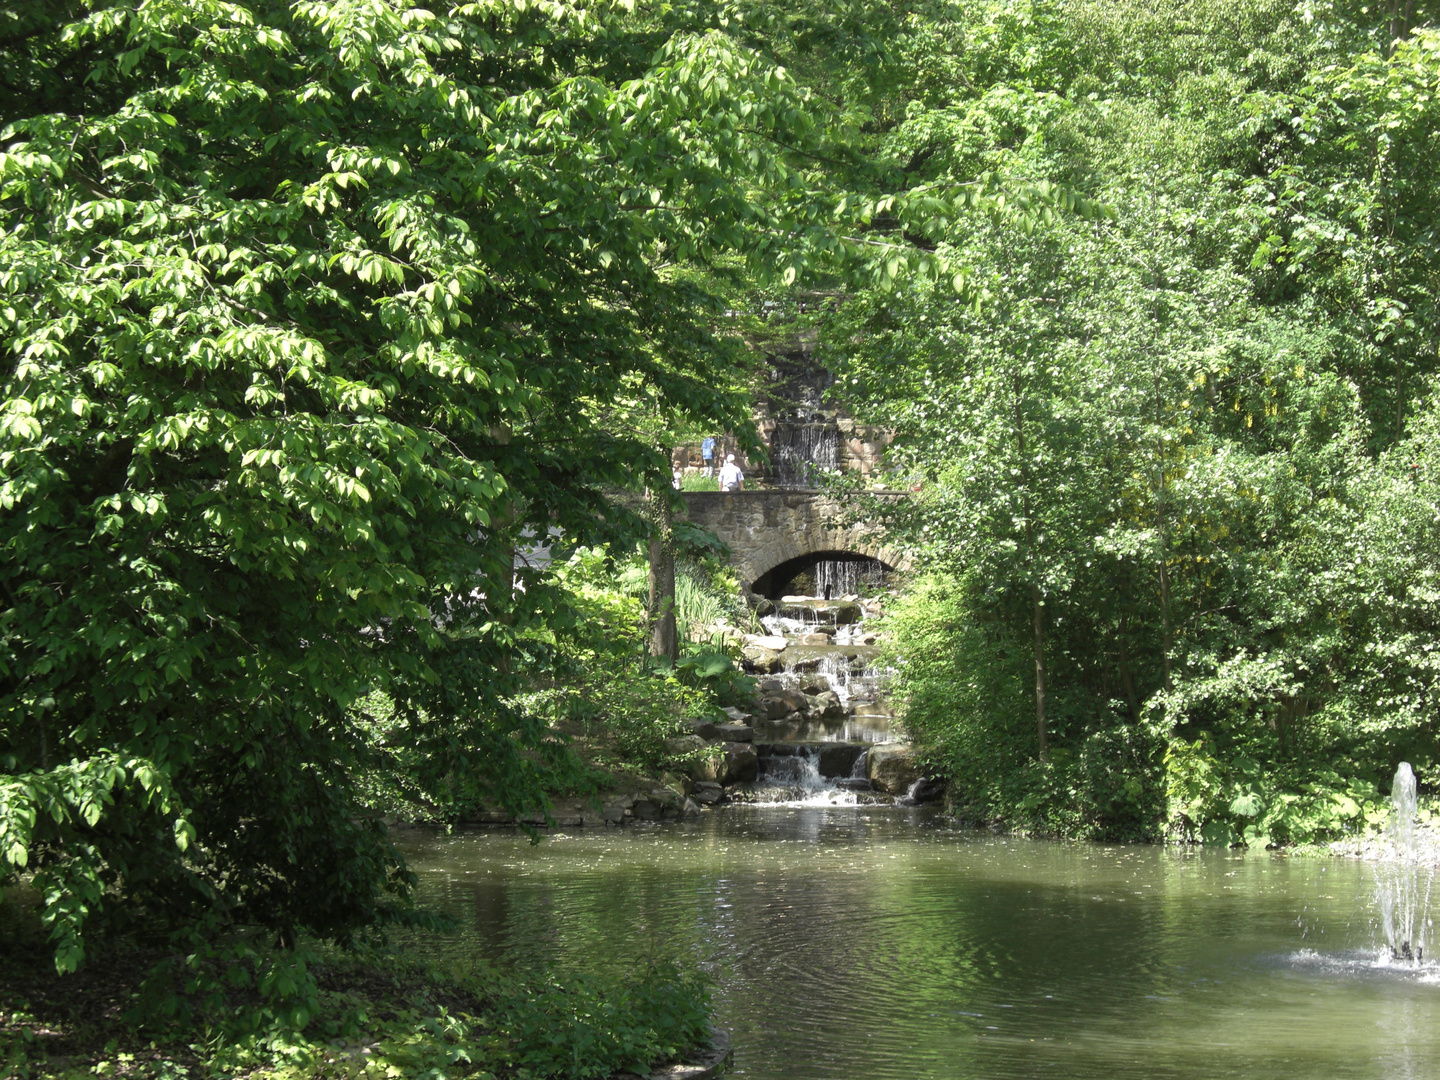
column 865, row 944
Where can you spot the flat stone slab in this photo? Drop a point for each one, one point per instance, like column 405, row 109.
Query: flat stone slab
column 766, row 641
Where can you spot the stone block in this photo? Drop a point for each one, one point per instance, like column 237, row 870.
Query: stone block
column 892, row 768
column 742, row 764
column 681, row 745
column 761, row 661
column 838, row 759
column 766, row 641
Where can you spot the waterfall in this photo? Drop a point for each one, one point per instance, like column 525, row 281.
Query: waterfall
column 800, row 452
column 835, row 578
column 1402, row 879
column 795, row 780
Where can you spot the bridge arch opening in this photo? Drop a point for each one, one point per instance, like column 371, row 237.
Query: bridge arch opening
column 828, row 574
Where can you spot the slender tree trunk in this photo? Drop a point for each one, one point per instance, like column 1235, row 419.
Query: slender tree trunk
column 664, row 640
column 1167, row 631
column 1127, row 677
column 1163, row 530
column 1037, row 605
column 1037, row 610
column 500, row 596
column 1402, row 16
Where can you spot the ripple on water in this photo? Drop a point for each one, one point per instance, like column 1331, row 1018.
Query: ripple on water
column 851, row 942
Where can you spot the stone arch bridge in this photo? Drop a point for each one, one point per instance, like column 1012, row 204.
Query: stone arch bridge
column 770, row 526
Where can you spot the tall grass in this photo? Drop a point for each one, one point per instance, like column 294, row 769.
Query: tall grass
column 699, row 605
column 699, row 482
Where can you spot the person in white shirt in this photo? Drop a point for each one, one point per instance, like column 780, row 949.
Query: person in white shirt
column 731, row 478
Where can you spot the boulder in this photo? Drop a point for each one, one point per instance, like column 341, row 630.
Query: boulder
column 705, row 729
column 679, row 783
column 828, row 705
column 837, row 759
column 815, row 686
column 782, row 703
column 794, row 699
column 815, row 639
column 769, row 686
column 741, row 764
column 735, row 714
column 853, row 783
column 761, row 661
column 892, row 768
column 926, row 789
column 681, row 745
column 736, row 732
column 766, row 641
column 710, row 768
column 776, row 708
column 707, row 792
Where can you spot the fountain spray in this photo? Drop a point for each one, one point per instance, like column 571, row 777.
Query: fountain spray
column 1402, row 878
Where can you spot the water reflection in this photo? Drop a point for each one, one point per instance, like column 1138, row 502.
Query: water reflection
column 877, row 943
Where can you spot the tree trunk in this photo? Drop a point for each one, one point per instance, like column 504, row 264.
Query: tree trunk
column 500, row 594
column 1162, row 523
column 1127, row 677
column 664, row 641
column 1168, row 641
column 1038, row 611
column 1037, row 607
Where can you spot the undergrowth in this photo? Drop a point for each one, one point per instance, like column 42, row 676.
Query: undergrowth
column 300, row 1015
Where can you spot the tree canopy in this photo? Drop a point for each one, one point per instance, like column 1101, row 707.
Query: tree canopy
column 1160, row 460
column 312, row 312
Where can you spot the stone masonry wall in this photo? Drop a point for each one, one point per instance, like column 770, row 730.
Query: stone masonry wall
column 769, row 526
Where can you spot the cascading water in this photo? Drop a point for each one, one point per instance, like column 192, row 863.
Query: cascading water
column 1403, row 878
column 795, row 780
column 835, row 578
column 801, row 452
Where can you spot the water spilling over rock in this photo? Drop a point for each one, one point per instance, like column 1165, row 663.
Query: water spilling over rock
column 1402, row 877
column 803, row 452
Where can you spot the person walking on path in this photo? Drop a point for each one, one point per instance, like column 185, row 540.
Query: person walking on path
column 731, row 478
column 707, row 454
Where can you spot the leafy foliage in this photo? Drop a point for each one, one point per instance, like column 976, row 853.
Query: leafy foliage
column 1171, row 471
column 312, row 314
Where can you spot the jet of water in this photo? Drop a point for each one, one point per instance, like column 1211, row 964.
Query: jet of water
column 1403, row 878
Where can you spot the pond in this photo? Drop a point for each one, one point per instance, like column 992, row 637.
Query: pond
column 880, row 942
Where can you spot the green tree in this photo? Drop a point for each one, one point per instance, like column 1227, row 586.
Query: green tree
column 311, row 313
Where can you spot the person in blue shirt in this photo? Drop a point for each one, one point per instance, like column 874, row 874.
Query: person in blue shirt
column 707, row 454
